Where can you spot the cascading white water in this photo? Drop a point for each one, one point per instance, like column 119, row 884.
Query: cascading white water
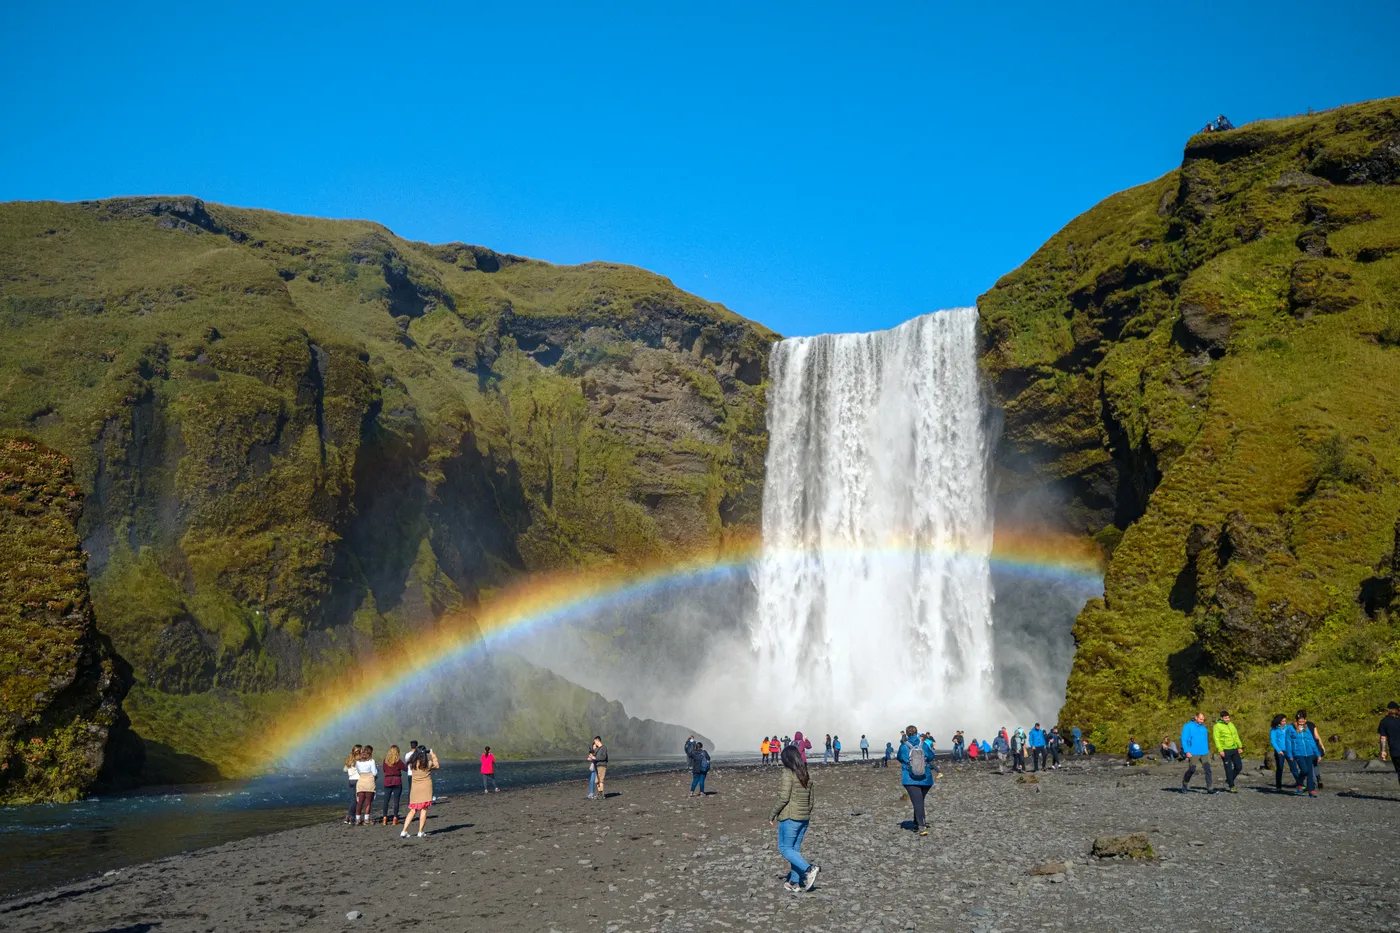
column 874, row 585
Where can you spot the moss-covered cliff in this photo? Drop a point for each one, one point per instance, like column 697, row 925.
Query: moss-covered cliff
column 1205, row 370
column 61, row 684
column 304, row 439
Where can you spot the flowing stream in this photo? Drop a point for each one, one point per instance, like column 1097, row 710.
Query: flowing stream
column 874, row 585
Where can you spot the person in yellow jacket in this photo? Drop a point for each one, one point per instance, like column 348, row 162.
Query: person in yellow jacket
column 1227, row 743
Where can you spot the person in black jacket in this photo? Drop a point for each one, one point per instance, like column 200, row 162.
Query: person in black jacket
column 699, row 767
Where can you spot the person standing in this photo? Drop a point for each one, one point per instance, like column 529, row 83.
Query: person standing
column 699, row 768
column 1018, row 750
column 352, row 774
column 803, row 745
column 791, row 815
column 1227, row 743
column 1078, row 737
column 1321, row 751
column 421, row 765
column 889, row 753
column 393, row 769
column 365, row 774
column 1302, row 752
column 599, row 757
column 916, row 773
column 836, row 748
column 689, row 744
column 488, row 772
column 1037, row 744
column 1389, row 732
column 1055, row 743
column 1195, row 744
column 826, row 755
column 1278, row 741
column 864, row 748
column 775, row 748
column 763, row 750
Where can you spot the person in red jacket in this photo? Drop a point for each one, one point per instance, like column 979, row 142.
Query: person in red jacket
column 488, row 772
column 393, row 769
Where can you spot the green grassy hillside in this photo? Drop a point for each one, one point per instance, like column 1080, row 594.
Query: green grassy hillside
column 1206, row 372
column 302, row 440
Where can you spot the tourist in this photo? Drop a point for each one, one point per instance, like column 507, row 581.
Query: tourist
column 916, row 773
column 775, row 748
column 352, row 774
column 599, row 757
column 1227, row 743
column 889, row 753
column 836, row 748
column 393, row 769
column 790, row 815
column 1056, row 744
column 1168, row 749
column 864, row 748
column 488, row 772
column 1078, row 737
column 974, row 751
column 826, row 755
column 1389, row 731
column 689, row 744
column 1135, row 752
column 763, row 750
column 801, row 744
column 412, row 750
column 1303, row 752
column 1321, row 750
column 1018, row 750
column 1195, row 744
column 365, row 774
column 421, row 765
column 1036, row 741
column 1278, row 741
column 986, row 749
column 699, row 767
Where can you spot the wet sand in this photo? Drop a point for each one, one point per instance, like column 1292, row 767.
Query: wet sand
column 650, row 858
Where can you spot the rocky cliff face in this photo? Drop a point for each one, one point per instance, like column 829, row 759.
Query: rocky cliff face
column 60, row 681
column 303, row 440
column 1205, row 371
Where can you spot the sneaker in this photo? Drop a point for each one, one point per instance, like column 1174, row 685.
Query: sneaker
column 1298, row 792
column 923, row 830
column 404, row 834
column 811, row 878
column 1312, row 793
column 1234, row 789
column 421, row 835
column 791, row 888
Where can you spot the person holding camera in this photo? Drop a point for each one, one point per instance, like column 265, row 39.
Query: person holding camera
column 421, row 765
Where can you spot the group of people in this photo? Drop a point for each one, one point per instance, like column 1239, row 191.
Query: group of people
column 363, row 773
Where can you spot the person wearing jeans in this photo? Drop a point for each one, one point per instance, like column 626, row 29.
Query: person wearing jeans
column 699, row 767
column 393, row 770
column 791, row 815
column 1278, row 739
column 1302, row 749
column 1227, row 742
column 1037, row 744
column 1195, row 745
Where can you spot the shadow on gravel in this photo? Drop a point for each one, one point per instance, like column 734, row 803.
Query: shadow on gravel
column 134, row 928
column 55, row 898
column 611, row 794
column 1353, row 795
column 453, row 828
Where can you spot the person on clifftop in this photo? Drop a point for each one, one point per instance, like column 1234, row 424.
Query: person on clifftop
column 1195, row 745
column 1227, row 743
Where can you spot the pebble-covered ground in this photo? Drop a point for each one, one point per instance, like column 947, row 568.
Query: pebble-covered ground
column 649, row 858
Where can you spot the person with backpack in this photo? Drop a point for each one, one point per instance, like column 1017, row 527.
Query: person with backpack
column 1055, row 743
column 836, row 749
column 1018, row 750
column 864, row 748
column 916, row 773
column 1227, row 743
column 699, row 767
column 1036, row 741
column 1195, row 745
column 791, row 815
column 1302, row 752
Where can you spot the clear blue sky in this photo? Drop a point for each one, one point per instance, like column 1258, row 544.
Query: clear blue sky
column 814, row 166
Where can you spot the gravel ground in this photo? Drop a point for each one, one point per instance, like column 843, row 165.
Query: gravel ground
column 651, row 859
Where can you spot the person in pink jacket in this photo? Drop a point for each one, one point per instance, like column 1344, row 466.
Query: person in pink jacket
column 801, row 744
column 488, row 772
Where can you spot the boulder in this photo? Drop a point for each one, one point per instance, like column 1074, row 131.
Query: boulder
column 1132, row 845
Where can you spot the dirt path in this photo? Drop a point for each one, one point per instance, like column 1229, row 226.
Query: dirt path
column 649, row 858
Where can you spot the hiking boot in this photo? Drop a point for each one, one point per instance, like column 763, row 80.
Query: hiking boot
column 811, row 879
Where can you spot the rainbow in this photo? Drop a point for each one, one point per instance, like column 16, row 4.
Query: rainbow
column 322, row 716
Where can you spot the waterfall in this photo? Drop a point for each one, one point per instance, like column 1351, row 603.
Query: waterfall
column 874, row 581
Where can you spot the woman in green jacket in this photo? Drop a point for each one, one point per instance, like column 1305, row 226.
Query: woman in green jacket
column 791, row 814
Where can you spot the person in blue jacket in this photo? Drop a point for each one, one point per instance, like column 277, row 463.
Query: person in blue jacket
column 917, row 786
column 1078, row 737
column 1302, row 751
column 1036, row 740
column 1278, row 738
column 1195, row 745
column 889, row 753
column 986, row 748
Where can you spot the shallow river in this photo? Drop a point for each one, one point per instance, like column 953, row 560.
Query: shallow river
column 47, row 845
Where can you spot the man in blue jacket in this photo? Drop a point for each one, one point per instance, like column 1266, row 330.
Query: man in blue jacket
column 916, row 773
column 1195, row 744
column 1037, row 744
